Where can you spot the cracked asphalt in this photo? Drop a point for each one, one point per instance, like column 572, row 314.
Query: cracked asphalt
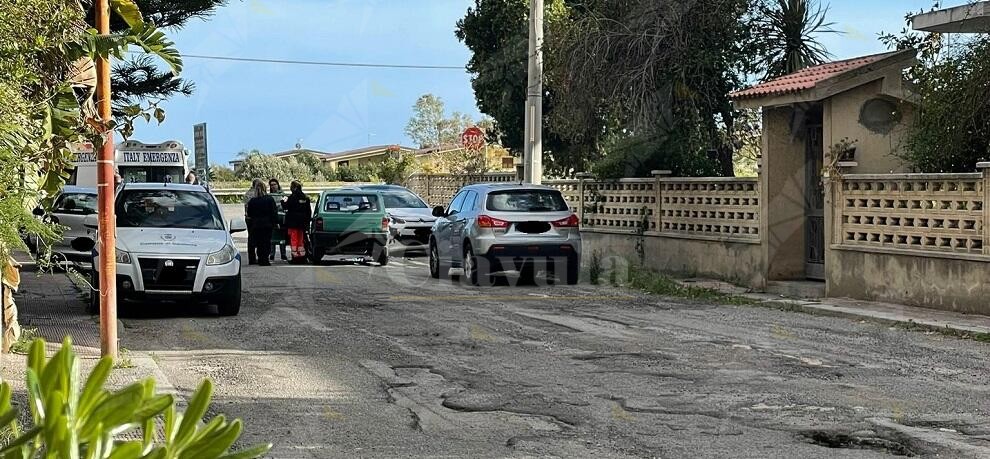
column 351, row 360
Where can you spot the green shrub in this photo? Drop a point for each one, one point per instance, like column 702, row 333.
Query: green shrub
column 74, row 420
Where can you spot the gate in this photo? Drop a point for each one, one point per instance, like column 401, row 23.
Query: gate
column 814, row 198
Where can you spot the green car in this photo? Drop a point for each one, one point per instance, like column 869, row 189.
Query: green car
column 349, row 222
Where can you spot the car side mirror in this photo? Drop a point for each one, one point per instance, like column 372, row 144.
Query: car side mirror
column 92, row 221
column 439, row 211
column 38, row 212
column 237, row 225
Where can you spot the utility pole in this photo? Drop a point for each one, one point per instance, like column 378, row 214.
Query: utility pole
column 533, row 157
column 106, row 189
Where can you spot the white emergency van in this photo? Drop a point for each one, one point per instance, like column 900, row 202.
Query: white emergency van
column 136, row 162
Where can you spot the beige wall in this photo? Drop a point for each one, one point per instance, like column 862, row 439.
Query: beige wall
column 875, row 152
column 938, row 283
column 739, row 263
column 783, row 196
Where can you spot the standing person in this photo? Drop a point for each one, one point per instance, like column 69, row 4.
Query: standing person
column 191, row 178
column 298, row 213
column 262, row 216
column 278, row 235
column 248, row 196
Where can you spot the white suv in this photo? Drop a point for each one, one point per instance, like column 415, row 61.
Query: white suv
column 173, row 244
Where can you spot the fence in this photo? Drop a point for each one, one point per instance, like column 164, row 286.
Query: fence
column 914, row 213
column 714, row 208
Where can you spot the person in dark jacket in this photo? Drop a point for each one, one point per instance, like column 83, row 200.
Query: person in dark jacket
column 262, row 215
column 298, row 213
column 278, row 235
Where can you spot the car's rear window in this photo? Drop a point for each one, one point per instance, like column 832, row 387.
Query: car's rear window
column 82, row 203
column 350, row 203
column 526, row 201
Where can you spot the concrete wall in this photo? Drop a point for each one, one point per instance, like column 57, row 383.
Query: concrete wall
column 783, row 203
column 939, row 283
column 875, row 152
column 739, row 263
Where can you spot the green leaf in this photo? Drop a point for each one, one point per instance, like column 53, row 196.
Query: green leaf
column 159, row 115
column 128, row 11
column 154, row 41
column 94, row 386
column 35, row 396
column 114, row 412
column 126, row 450
column 194, row 412
column 214, row 445
column 153, row 407
column 250, row 453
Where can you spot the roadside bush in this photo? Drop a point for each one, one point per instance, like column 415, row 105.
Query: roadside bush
column 73, row 420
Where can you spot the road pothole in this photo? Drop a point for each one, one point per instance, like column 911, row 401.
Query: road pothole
column 841, row 440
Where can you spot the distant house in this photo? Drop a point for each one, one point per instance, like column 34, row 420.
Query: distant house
column 500, row 159
column 366, row 156
column 235, row 164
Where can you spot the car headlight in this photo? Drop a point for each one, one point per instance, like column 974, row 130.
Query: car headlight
column 222, row 256
column 398, row 220
column 123, row 257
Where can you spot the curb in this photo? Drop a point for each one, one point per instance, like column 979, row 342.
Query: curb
column 823, row 307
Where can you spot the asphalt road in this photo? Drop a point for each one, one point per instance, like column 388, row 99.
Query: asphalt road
column 350, row 360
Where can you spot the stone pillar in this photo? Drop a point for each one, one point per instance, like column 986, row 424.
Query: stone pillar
column 984, row 168
column 658, row 175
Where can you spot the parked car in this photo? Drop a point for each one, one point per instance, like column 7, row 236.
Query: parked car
column 173, row 244
column 489, row 228
column 70, row 209
column 411, row 218
column 350, row 221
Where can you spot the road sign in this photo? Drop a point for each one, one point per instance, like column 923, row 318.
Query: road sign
column 199, row 145
column 473, row 138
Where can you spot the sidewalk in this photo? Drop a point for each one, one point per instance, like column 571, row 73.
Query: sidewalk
column 954, row 323
column 53, row 306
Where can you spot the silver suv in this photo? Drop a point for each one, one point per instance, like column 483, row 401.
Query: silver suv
column 490, row 228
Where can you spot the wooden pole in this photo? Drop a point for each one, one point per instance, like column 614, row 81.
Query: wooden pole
column 106, row 190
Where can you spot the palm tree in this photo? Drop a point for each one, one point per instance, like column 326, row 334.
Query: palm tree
column 790, row 29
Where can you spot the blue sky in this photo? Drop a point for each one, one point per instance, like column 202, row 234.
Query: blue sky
column 272, row 106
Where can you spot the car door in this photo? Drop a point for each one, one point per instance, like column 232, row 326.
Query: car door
column 459, row 223
column 444, row 227
column 70, row 211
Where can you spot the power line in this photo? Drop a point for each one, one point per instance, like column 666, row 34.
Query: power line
column 325, row 63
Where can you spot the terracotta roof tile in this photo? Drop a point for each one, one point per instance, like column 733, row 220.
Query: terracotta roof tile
column 808, row 78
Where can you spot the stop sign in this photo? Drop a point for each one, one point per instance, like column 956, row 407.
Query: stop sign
column 473, row 138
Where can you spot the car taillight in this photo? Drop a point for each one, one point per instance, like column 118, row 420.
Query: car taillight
column 569, row 222
column 485, row 221
column 384, row 223
column 318, row 224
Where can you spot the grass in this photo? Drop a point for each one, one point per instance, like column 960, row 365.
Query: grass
column 123, row 363
column 659, row 284
column 23, row 343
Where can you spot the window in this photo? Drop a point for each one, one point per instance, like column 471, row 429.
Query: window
column 403, row 200
column 343, row 164
column 350, row 203
column 508, row 163
column 470, row 202
column 168, row 209
column 76, row 203
column 526, row 201
column 455, row 205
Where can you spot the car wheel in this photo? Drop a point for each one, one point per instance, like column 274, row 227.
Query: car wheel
column 437, row 268
column 93, row 305
column 573, row 273
column 473, row 270
column 380, row 254
column 317, row 255
column 230, row 305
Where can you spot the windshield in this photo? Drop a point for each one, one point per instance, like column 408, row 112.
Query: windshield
column 168, row 209
column 350, row 203
column 403, row 200
column 79, row 203
column 526, row 201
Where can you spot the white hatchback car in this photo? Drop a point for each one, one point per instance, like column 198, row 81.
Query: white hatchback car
column 173, row 244
column 490, row 228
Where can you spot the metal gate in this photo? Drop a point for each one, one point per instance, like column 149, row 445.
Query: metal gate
column 814, row 198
